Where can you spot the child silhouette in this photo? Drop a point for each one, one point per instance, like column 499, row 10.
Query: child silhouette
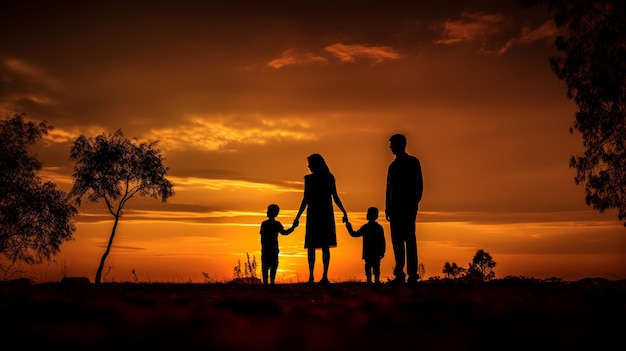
column 270, row 228
column 373, row 243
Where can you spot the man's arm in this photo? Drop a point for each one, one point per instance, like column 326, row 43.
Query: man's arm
column 388, row 194
column 420, row 181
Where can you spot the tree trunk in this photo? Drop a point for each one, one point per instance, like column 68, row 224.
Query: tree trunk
column 106, row 252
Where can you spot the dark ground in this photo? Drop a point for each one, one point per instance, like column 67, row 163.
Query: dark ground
column 499, row 315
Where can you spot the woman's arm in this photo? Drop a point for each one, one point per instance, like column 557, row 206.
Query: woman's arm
column 340, row 204
column 303, row 204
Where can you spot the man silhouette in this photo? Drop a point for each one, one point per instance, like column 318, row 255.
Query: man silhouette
column 405, row 186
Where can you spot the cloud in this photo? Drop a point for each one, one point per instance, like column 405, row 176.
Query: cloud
column 24, row 85
column 221, row 133
column 547, row 30
column 25, row 69
column 349, row 53
column 188, row 190
column 63, row 135
column 482, row 28
column 345, row 53
column 471, row 27
column 290, row 58
column 219, row 184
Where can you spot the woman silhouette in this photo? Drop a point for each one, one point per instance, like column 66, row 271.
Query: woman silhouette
column 319, row 193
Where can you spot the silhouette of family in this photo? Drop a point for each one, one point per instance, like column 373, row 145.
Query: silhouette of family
column 404, row 190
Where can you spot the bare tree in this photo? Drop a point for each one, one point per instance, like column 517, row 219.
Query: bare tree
column 35, row 216
column 114, row 169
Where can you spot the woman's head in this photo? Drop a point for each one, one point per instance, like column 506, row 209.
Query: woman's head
column 317, row 163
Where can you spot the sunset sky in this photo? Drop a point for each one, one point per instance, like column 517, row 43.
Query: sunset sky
column 239, row 93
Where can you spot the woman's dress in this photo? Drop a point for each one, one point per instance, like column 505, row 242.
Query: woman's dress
column 320, row 216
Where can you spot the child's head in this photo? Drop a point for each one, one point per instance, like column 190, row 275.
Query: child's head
column 272, row 210
column 372, row 214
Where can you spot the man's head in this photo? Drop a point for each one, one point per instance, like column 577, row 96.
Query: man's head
column 397, row 143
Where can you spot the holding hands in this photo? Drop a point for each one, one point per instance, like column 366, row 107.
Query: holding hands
column 350, row 230
column 290, row 230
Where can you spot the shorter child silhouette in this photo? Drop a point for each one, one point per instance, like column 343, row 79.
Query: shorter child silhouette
column 270, row 228
column 373, row 243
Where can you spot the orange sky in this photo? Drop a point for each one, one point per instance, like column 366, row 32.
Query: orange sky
column 239, row 94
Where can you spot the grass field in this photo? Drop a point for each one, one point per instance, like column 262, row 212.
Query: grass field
column 512, row 315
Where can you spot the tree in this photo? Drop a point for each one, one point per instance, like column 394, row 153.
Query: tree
column 114, row 169
column 481, row 267
column 452, row 270
column 593, row 66
column 35, row 216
